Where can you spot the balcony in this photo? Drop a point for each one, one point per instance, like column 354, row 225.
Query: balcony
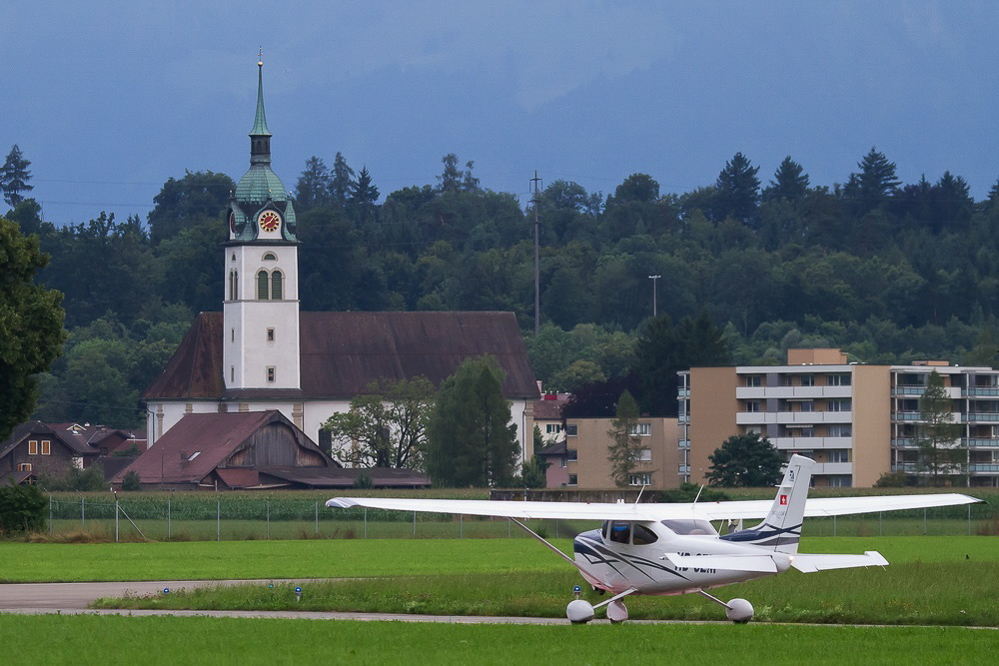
column 983, row 442
column 978, row 468
column 833, row 468
column 792, row 418
column 810, row 443
column 793, row 392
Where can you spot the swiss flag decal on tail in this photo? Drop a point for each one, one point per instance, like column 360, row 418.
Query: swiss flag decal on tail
column 783, row 500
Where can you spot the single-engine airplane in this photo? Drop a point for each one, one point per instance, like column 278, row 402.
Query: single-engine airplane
column 674, row 548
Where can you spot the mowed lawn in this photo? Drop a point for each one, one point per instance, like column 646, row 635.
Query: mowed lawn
column 337, row 558
column 187, row 640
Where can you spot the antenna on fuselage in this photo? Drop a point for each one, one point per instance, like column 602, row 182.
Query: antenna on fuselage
column 698, row 496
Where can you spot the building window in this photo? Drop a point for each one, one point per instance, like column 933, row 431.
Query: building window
column 839, row 405
column 808, row 406
column 839, row 380
column 643, row 429
column 46, row 447
column 32, row 447
column 570, row 429
column 754, row 381
column 277, row 286
column 23, row 467
column 262, row 286
column 645, row 455
column 571, row 455
column 270, row 256
column 232, row 373
column 572, row 480
column 233, row 285
column 839, row 455
column 753, row 406
column 553, row 428
column 640, row 479
column 562, row 462
column 270, row 335
column 808, row 380
column 271, row 371
column 840, row 431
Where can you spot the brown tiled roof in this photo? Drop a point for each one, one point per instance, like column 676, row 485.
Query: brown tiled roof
column 59, row 432
column 381, row 477
column 342, row 352
column 550, row 409
column 199, row 443
column 195, row 369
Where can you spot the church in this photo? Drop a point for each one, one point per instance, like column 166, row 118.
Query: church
column 262, row 353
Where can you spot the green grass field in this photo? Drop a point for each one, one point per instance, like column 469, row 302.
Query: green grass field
column 182, row 640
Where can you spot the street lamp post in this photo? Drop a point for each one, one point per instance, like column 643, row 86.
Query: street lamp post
column 655, row 309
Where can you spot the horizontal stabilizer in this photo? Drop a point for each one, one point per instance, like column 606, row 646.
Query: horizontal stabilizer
column 810, row 562
column 764, row 563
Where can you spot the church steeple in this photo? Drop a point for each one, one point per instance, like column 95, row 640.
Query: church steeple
column 260, row 136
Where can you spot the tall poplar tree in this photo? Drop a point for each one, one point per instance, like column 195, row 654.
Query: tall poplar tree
column 470, row 439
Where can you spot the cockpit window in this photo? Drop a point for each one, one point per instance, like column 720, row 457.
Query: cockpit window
column 618, row 531
column 690, row 526
column 642, row 535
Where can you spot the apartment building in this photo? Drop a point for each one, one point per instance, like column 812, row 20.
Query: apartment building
column 857, row 421
column 581, row 459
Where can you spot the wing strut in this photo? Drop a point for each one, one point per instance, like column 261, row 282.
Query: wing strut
column 546, row 542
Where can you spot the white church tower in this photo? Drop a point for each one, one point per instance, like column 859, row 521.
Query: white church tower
column 260, row 313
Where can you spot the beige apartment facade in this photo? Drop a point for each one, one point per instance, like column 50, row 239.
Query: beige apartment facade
column 856, row 421
column 585, row 464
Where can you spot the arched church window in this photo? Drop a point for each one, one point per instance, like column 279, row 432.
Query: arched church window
column 262, row 285
column 233, row 285
column 270, row 256
column 277, row 286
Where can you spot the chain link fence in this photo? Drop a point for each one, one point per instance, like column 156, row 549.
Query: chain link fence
column 198, row 517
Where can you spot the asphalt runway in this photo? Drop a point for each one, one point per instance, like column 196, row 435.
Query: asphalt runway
column 73, row 598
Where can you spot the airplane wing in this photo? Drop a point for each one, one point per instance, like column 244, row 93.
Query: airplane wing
column 733, row 510
column 731, row 562
column 808, row 562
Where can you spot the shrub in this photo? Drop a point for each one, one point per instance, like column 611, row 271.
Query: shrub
column 131, row 481
column 22, row 509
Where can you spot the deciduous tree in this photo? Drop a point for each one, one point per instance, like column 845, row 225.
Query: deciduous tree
column 745, row 461
column 31, row 323
column 626, row 445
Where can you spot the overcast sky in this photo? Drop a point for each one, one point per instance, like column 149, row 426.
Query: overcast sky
column 109, row 99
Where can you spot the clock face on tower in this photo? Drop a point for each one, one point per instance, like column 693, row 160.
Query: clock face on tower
column 269, row 220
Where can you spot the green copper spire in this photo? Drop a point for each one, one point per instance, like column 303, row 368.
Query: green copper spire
column 260, row 121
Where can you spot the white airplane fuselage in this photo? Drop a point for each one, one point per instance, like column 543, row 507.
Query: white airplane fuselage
column 617, row 566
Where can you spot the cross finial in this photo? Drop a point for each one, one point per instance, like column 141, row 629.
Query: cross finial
column 260, row 57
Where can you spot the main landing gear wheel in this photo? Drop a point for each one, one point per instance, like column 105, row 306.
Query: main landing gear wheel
column 617, row 611
column 739, row 611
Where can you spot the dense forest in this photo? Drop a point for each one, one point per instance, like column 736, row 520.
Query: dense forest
column 889, row 272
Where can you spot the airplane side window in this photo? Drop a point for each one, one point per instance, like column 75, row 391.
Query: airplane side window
column 620, row 531
column 642, row 535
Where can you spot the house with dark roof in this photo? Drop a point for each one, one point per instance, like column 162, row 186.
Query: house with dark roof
column 261, row 353
column 35, row 448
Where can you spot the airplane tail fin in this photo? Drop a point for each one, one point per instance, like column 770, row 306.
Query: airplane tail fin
column 781, row 529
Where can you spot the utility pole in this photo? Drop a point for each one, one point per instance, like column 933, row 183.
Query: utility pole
column 536, row 200
column 655, row 310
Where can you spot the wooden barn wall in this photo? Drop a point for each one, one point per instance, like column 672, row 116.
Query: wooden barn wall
column 275, row 445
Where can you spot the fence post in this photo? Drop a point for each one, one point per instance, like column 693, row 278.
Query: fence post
column 317, row 518
column 414, row 524
column 461, row 526
column 969, row 520
column 168, row 517
column 83, row 512
column 116, row 517
column 50, row 514
column 365, row 522
column 267, row 504
column 924, row 521
column 218, row 521
column 834, row 525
